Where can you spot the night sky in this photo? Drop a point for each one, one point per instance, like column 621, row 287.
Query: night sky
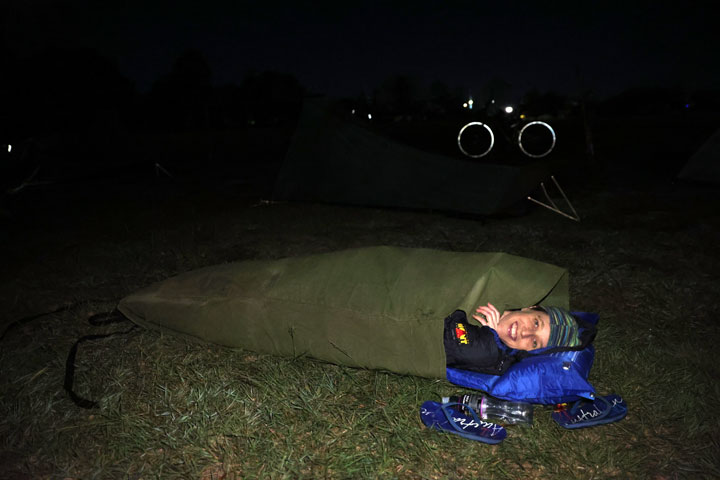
column 345, row 48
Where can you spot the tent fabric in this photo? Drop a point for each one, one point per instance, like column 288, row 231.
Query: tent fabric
column 332, row 160
column 704, row 165
column 375, row 307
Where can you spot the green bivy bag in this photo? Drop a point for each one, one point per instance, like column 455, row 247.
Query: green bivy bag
column 377, row 307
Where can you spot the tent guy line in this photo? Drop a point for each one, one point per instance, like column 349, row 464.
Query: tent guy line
column 552, row 205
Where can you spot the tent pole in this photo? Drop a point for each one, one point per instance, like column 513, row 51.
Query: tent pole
column 552, row 205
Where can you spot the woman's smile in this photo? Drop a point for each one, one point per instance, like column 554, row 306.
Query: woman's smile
column 512, row 331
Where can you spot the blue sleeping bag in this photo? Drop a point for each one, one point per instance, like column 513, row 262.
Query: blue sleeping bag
column 544, row 379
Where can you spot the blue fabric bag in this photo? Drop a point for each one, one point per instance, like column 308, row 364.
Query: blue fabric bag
column 543, row 379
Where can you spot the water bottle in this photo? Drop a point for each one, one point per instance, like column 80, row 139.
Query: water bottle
column 495, row 410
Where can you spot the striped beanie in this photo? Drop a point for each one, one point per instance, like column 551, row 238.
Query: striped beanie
column 564, row 330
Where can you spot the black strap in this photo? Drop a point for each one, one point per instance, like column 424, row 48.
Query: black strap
column 97, row 320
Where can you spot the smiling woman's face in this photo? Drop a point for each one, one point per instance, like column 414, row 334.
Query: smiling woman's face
column 526, row 329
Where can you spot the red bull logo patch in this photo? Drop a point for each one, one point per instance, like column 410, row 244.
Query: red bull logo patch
column 461, row 333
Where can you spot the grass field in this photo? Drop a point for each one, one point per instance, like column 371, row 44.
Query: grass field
column 643, row 256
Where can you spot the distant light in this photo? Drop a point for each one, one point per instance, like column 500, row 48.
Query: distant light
column 9, row 148
column 687, row 105
column 353, row 111
column 492, row 101
column 470, row 102
column 522, row 116
column 369, row 116
column 508, row 109
column 465, row 105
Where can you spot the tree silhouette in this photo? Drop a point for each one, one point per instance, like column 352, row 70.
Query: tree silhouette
column 179, row 101
column 398, row 95
column 65, row 89
column 535, row 103
column 271, row 97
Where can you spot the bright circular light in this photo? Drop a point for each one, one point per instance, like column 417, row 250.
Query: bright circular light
column 9, row 148
column 552, row 132
column 509, row 109
column 470, row 102
column 492, row 139
column 369, row 116
column 353, row 111
column 465, row 105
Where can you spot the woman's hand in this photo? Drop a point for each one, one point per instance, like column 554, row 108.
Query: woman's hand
column 487, row 315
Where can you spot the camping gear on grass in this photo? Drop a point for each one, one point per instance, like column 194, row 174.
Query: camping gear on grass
column 585, row 413
column 493, row 409
column 445, row 418
column 375, row 307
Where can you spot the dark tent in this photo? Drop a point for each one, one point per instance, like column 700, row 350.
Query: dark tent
column 704, row 165
column 336, row 161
